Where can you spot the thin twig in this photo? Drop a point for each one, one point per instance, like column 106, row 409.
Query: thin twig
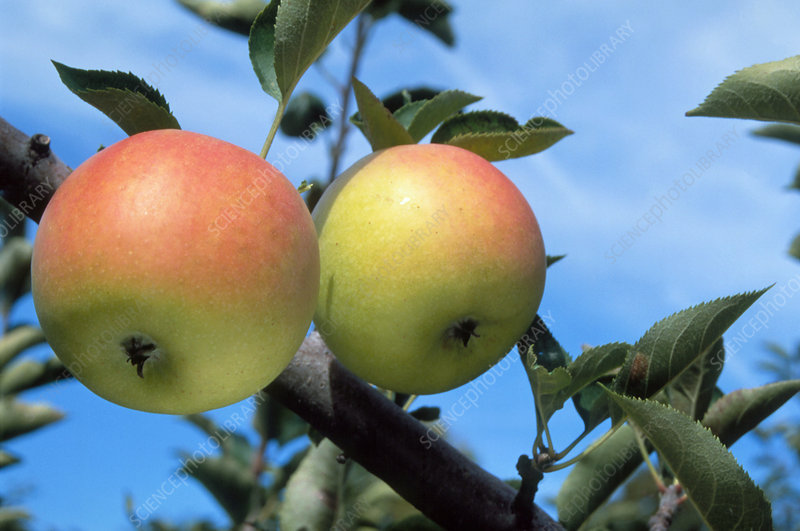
column 256, row 469
column 671, row 500
column 550, row 447
column 363, row 25
column 562, row 454
column 596, row 444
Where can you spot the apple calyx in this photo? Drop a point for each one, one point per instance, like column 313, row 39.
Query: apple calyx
column 463, row 330
column 138, row 349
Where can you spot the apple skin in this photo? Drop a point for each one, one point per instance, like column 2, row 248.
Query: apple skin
column 419, row 245
column 184, row 242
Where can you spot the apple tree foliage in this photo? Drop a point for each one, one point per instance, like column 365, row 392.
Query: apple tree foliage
column 659, row 391
column 18, row 374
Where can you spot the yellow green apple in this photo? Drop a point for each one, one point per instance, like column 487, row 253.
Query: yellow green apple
column 432, row 267
column 173, row 272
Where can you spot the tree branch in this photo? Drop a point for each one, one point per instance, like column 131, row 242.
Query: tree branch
column 29, row 171
column 671, row 499
column 427, row 471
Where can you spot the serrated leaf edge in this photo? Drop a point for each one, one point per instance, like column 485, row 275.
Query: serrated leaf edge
column 754, row 293
column 614, row 396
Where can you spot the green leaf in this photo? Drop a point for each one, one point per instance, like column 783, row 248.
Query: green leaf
column 305, row 186
column 691, row 392
column 380, row 127
column 17, row 340
column 426, row 414
column 431, row 16
column 794, row 249
column 18, row 418
column 795, row 185
column 29, row 374
column 428, row 15
column 128, row 100
column 766, row 91
column 497, row 136
column 305, row 116
column 592, row 365
column 397, row 99
column 236, row 16
column 16, row 226
column 592, row 405
column 736, row 413
column 673, row 344
column 275, row 422
column 474, row 122
column 313, row 195
column 234, row 445
column 544, row 362
column 14, row 519
column 280, row 476
column 15, row 271
column 261, row 45
column 437, row 109
column 230, row 482
column 7, row 459
column 367, row 502
column 303, row 29
column 786, row 132
column 633, row 504
column 596, row 362
column 378, row 9
column 595, row 477
column 539, row 341
column 401, row 99
column 406, row 113
column 546, row 383
column 719, row 488
column 311, row 495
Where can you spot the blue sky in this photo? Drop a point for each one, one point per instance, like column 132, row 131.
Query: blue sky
column 724, row 233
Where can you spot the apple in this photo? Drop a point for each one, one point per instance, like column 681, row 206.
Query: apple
column 432, row 267
column 173, row 272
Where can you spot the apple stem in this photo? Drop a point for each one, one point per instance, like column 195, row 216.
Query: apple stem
column 138, row 351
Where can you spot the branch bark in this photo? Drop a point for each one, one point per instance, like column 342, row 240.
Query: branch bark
column 671, row 499
column 431, row 474
column 29, row 171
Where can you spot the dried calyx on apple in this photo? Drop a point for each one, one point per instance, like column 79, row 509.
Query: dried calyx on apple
column 463, row 331
column 139, row 349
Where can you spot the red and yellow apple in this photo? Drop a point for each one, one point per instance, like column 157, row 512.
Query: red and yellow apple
column 432, row 267
column 174, row 272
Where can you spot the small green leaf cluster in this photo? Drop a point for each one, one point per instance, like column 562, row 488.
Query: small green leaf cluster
column 661, row 395
column 491, row 134
column 286, row 492
column 20, row 374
